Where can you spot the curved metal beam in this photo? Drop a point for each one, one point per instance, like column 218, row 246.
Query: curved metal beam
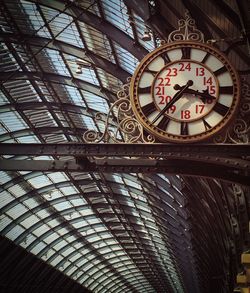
column 56, row 78
column 42, row 130
column 98, row 23
column 64, row 47
column 204, row 169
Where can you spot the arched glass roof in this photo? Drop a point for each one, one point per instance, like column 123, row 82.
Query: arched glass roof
column 61, row 63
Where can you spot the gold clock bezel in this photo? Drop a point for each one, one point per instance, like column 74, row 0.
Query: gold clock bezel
column 163, row 136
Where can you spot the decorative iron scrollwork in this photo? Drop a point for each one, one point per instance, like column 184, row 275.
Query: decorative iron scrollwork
column 239, row 132
column 187, row 31
column 120, row 123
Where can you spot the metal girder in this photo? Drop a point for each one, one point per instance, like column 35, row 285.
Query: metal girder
column 170, row 166
column 64, row 47
column 98, row 23
column 204, row 151
column 56, row 78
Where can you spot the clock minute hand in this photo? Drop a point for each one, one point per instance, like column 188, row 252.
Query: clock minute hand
column 176, row 97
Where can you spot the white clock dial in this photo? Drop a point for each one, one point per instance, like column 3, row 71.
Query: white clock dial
column 194, row 104
column 184, row 92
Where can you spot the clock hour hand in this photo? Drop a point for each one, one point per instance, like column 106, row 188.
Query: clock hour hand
column 176, row 97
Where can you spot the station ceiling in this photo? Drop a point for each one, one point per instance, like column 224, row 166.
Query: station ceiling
column 61, row 63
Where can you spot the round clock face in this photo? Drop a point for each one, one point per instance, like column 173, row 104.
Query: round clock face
column 184, row 92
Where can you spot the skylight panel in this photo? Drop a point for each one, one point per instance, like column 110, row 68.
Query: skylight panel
column 96, row 41
column 116, row 12
column 28, row 139
column 57, row 62
column 89, row 123
column 96, row 102
column 27, row 240
column 62, row 206
column 15, row 232
column 74, row 95
column 13, row 121
column 5, row 198
column 58, row 177
column 127, row 60
column 141, row 28
column 35, row 19
column 67, row 190
column 4, row 177
column 62, row 26
column 87, row 74
column 30, row 221
column 39, row 181
column 4, row 221
column 78, row 202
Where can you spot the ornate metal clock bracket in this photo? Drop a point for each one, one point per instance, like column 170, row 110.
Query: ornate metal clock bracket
column 187, row 31
column 120, row 123
column 239, row 132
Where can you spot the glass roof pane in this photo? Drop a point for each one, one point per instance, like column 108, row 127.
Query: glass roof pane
column 12, row 121
column 127, row 60
column 96, row 102
column 35, row 19
column 116, row 12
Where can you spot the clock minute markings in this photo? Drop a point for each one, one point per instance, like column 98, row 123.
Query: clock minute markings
column 204, row 60
column 186, row 52
column 153, row 72
column 226, row 90
column 165, row 57
column 184, row 128
column 221, row 70
column 206, row 124
column 144, row 90
column 148, row 109
column 163, row 123
column 220, row 109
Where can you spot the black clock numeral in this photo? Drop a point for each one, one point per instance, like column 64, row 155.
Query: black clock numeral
column 144, row 90
column 148, row 109
column 226, row 90
column 163, row 123
column 206, row 124
column 220, row 109
column 184, row 128
column 153, row 72
column 204, row 60
column 220, row 71
column 165, row 57
column 186, row 52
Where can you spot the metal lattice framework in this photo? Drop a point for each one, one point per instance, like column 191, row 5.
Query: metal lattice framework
column 174, row 220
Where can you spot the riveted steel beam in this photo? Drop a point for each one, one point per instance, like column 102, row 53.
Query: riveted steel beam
column 64, row 47
column 170, row 166
column 98, row 23
column 125, row 149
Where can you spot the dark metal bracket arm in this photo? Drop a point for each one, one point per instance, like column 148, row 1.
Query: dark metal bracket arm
column 226, row 162
column 128, row 149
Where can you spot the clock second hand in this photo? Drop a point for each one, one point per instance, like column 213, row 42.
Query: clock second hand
column 176, row 97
